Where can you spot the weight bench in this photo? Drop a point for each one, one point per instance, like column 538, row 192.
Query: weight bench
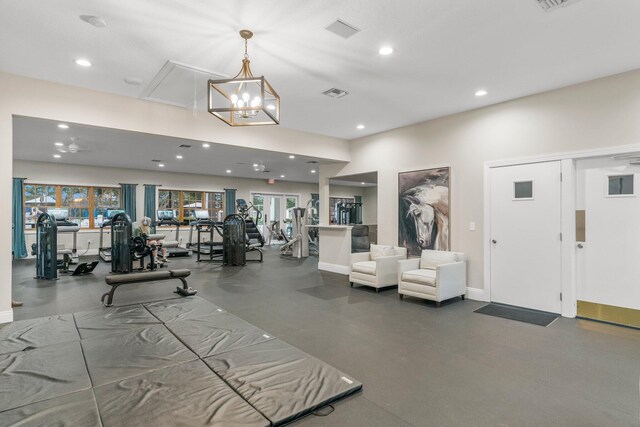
column 116, row 280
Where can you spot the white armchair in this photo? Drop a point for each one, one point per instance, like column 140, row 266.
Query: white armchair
column 436, row 276
column 377, row 268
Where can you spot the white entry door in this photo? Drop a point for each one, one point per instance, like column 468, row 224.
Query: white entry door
column 526, row 262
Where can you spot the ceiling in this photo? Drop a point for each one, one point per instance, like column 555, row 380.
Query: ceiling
column 368, row 179
column 34, row 139
column 444, row 51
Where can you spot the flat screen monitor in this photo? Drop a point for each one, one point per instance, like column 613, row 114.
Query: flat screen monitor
column 166, row 215
column 202, row 214
column 59, row 214
column 113, row 212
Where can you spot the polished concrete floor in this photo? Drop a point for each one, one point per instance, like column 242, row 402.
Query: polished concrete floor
column 420, row 365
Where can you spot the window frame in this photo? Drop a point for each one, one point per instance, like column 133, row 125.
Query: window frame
column 58, row 204
column 181, row 200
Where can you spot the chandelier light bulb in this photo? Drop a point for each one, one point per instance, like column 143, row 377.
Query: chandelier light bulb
column 234, row 99
column 240, row 104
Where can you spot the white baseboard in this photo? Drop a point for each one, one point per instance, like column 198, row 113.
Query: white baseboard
column 334, row 268
column 6, row 316
column 476, row 294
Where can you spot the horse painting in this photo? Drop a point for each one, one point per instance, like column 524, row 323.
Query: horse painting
column 424, row 210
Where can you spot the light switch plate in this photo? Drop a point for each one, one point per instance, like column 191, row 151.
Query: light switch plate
column 472, row 226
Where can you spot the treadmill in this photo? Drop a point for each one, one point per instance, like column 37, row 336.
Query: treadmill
column 209, row 236
column 167, row 217
column 104, row 252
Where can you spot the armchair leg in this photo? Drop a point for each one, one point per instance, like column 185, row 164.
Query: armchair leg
column 462, row 296
column 438, row 303
column 377, row 290
column 351, row 284
column 401, row 296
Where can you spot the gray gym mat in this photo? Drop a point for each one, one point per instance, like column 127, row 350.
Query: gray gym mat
column 180, row 309
column 183, row 395
column 75, row 409
column 126, row 354
column 217, row 333
column 113, row 319
column 32, row 333
column 535, row 317
column 43, row 373
column 280, row 381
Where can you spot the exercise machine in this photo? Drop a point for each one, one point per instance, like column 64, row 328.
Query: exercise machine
column 244, row 210
column 349, row 213
column 125, row 248
column 298, row 245
column 46, row 251
column 167, row 217
column 103, row 252
column 208, row 237
column 234, row 241
column 65, row 226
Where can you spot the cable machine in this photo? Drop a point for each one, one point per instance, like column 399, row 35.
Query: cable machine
column 234, row 240
column 121, row 231
column 46, row 247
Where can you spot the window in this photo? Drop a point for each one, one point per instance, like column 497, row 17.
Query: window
column 523, row 190
column 104, row 198
column 186, row 203
column 87, row 205
column 37, row 199
column 620, row 185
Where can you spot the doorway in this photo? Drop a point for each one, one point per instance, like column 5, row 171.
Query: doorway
column 607, row 236
column 525, row 233
column 276, row 213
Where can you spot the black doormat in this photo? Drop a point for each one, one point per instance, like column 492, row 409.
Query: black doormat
column 535, row 317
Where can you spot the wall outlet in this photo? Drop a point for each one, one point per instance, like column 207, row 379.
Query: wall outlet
column 472, row 226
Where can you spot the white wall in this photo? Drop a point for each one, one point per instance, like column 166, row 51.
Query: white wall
column 595, row 114
column 370, row 206
column 57, row 173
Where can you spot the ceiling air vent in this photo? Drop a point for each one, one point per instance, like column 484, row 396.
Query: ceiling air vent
column 342, row 29
column 335, row 93
column 313, row 162
column 156, row 160
column 549, row 5
column 184, row 146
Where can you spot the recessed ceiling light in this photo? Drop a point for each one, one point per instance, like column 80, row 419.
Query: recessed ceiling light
column 205, row 145
column 178, row 156
column 481, row 92
column 94, row 20
column 160, row 165
column 360, row 127
column 83, row 62
column 313, row 171
column 385, row 50
column 362, row 183
column 63, row 126
column 133, row 81
column 292, row 156
column 281, row 176
column 228, row 170
column 58, row 144
column 57, row 156
column 255, row 165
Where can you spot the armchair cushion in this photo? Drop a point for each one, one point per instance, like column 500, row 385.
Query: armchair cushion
column 431, row 259
column 422, row 276
column 366, row 267
column 381, row 250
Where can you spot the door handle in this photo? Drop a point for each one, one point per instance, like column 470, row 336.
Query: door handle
column 494, row 241
column 580, row 246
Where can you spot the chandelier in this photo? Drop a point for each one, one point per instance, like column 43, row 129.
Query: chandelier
column 244, row 100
